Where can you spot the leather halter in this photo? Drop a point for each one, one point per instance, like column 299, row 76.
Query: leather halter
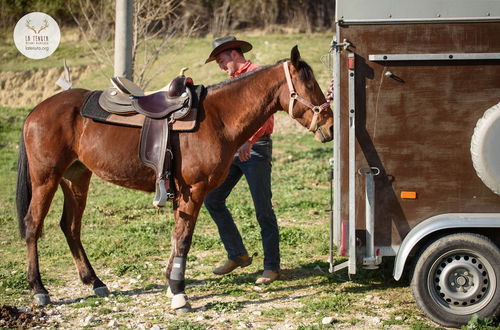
column 313, row 127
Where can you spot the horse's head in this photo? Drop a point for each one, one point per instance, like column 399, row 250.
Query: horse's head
column 304, row 99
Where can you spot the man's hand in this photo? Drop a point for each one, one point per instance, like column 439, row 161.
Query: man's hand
column 244, row 151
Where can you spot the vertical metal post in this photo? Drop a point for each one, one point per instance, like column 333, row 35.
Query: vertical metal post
column 337, row 165
column 331, row 178
column 334, row 235
column 336, row 227
column 352, row 164
column 370, row 261
column 370, row 214
column 123, row 38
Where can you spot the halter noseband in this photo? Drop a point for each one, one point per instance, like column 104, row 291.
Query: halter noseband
column 294, row 96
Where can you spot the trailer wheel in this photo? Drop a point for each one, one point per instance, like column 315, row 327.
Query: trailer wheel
column 456, row 276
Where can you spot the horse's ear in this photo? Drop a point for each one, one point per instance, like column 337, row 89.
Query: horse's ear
column 295, row 56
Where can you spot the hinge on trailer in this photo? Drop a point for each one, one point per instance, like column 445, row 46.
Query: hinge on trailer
column 340, row 46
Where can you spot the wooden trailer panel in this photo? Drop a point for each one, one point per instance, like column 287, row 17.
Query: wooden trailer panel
column 416, row 125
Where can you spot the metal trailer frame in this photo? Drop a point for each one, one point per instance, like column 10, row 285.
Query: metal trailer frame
column 343, row 231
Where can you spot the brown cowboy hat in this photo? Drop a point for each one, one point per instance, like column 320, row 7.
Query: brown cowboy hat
column 221, row 44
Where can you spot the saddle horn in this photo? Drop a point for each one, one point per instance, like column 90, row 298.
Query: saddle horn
column 184, row 69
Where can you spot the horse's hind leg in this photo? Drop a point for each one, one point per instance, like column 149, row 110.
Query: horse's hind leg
column 75, row 185
column 39, row 206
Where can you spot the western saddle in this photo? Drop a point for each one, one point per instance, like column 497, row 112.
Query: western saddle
column 157, row 113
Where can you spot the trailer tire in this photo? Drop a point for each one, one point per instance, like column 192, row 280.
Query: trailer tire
column 457, row 276
column 485, row 149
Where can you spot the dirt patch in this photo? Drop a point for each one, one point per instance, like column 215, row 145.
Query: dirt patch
column 11, row 317
column 30, row 87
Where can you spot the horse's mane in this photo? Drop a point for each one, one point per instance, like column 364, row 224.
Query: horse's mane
column 305, row 71
column 240, row 77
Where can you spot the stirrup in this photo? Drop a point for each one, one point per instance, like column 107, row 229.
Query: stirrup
column 161, row 194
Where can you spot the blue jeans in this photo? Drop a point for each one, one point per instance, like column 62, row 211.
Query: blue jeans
column 257, row 171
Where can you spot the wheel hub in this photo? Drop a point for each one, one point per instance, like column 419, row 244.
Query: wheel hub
column 461, row 280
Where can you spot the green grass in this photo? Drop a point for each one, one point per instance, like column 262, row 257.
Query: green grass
column 478, row 323
column 327, row 303
column 89, row 302
column 186, row 325
column 224, row 306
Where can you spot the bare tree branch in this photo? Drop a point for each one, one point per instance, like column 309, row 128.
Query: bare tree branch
column 155, row 27
column 88, row 31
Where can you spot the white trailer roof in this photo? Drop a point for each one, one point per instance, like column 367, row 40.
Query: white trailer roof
column 393, row 11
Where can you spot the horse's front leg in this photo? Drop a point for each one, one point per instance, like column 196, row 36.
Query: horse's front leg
column 186, row 209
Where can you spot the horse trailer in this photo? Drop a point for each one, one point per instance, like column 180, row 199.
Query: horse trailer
column 416, row 155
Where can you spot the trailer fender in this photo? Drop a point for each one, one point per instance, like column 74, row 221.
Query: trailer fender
column 437, row 223
column 485, row 149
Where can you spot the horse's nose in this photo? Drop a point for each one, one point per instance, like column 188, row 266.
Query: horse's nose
column 331, row 130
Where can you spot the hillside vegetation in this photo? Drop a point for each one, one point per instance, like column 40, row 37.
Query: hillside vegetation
column 214, row 17
column 34, row 80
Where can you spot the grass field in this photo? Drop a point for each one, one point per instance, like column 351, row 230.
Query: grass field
column 128, row 241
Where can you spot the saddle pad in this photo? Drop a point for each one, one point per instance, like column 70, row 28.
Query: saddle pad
column 93, row 110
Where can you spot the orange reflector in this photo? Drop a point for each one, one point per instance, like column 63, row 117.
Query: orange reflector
column 409, row 195
column 351, row 63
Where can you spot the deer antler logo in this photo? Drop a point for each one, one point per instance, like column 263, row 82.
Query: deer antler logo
column 44, row 25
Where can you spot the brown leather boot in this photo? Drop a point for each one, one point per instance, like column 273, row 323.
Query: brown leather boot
column 268, row 277
column 232, row 264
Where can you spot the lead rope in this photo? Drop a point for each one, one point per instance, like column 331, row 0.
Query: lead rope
column 329, row 94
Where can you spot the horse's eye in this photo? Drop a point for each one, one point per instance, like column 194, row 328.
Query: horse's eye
column 309, row 87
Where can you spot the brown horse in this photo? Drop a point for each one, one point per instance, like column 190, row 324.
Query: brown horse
column 59, row 147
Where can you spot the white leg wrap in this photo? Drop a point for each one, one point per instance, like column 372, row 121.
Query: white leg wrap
column 179, row 300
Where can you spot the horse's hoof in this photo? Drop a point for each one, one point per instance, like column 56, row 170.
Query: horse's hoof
column 179, row 301
column 101, row 291
column 169, row 293
column 42, row 299
column 186, row 309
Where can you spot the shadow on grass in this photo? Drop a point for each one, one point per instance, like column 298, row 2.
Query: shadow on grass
column 317, row 271
column 148, row 289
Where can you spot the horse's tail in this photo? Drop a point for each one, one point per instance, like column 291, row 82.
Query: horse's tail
column 23, row 188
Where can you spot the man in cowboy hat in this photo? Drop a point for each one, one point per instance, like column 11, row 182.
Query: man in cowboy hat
column 253, row 160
